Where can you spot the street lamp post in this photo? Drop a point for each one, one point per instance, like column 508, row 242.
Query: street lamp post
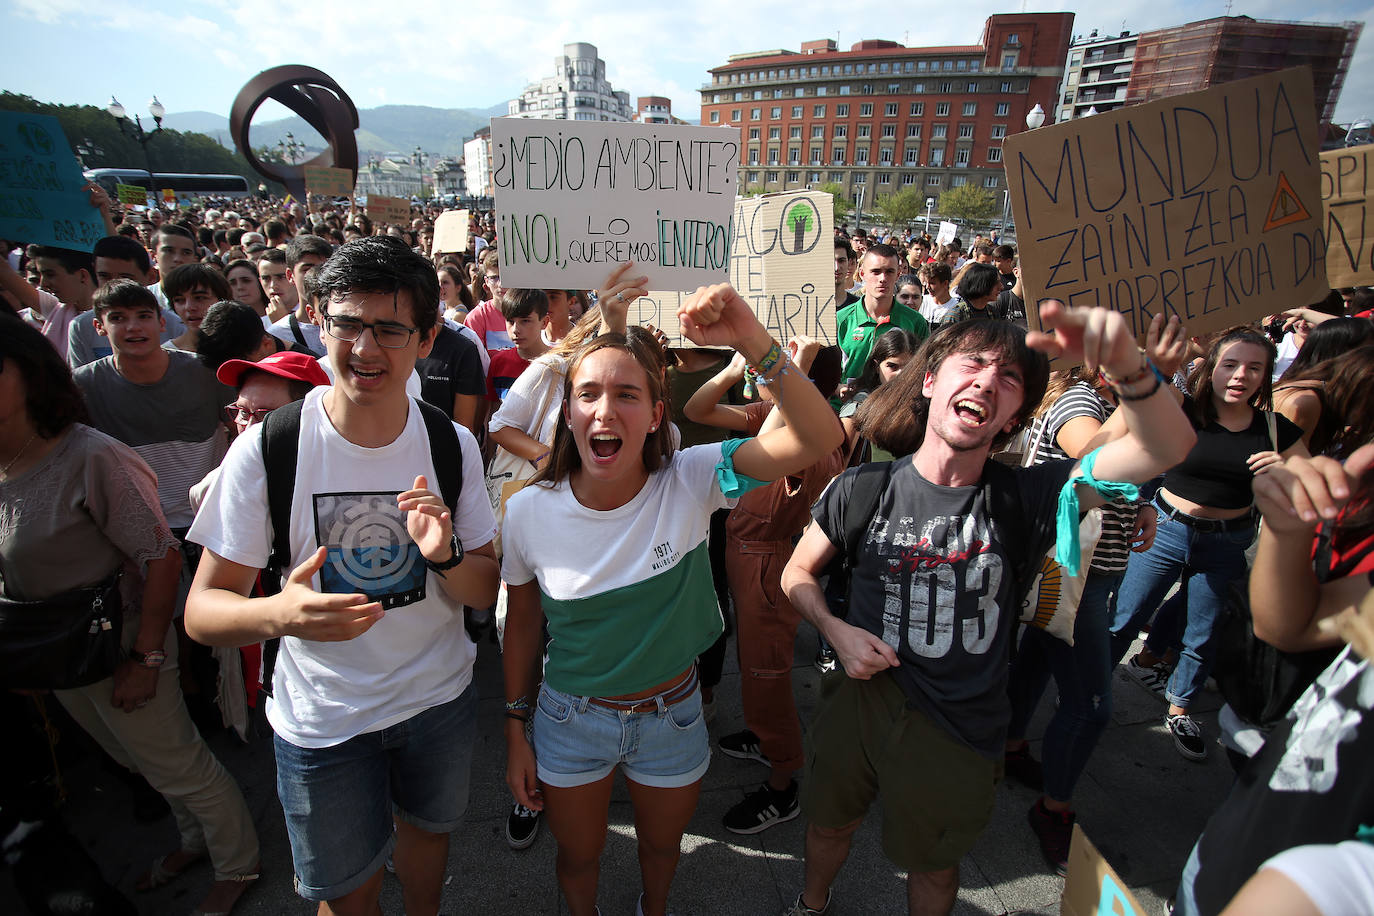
column 1035, row 117
column 135, row 130
column 290, row 148
column 930, row 205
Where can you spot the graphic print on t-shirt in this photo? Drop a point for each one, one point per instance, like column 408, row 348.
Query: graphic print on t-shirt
column 953, row 576
column 370, row 550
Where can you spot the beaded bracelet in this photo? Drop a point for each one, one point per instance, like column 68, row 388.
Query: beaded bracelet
column 517, row 705
column 785, row 365
column 1138, row 397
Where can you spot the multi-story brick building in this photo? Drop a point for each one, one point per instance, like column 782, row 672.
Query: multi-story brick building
column 883, row 117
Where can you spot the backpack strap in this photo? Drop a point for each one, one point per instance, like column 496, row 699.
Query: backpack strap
column 281, row 441
column 296, row 331
column 870, row 480
column 446, row 453
column 1000, row 493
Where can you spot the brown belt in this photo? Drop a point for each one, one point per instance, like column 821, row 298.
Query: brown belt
column 670, row 697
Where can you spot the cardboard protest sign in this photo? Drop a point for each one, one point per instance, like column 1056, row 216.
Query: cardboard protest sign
column 132, row 195
column 334, row 182
column 451, row 233
column 1092, row 887
column 1204, row 206
column 946, row 234
column 781, row 261
column 41, row 196
column 1348, row 199
column 388, row 209
column 574, row 198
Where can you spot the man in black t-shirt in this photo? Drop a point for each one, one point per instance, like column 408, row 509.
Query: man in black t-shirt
column 920, row 711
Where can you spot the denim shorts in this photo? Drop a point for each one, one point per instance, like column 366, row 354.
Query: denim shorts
column 339, row 801
column 577, row 743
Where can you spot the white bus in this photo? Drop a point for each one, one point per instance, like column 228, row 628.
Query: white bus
column 186, row 185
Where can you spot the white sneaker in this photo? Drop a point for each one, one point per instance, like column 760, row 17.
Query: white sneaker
column 1154, row 678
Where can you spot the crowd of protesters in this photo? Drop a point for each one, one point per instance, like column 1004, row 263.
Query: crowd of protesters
column 311, row 462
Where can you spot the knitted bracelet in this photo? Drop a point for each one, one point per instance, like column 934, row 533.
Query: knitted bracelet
column 1138, row 397
column 769, row 359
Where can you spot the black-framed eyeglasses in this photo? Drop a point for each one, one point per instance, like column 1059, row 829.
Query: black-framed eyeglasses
column 244, row 415
column 391, row 336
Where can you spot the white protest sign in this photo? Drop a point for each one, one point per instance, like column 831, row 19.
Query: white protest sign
column 451, row 232
column 782, row 263
column 946, row 234
column 574, row 198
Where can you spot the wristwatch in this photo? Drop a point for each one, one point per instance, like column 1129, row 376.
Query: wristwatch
column 153, row 659
column 457, row 547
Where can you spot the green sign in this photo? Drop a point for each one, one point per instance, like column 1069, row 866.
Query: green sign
column 132, row 195
column 323, row 180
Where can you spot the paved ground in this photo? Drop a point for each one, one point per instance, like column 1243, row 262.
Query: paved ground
column 1140, row 802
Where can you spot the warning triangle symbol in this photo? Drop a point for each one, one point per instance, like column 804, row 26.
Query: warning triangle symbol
column 1286, row 207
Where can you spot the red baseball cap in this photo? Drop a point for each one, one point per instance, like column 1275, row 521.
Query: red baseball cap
column 297, row 367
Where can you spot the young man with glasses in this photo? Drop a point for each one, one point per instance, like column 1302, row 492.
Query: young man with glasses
column 486, row 321
column 380, row 572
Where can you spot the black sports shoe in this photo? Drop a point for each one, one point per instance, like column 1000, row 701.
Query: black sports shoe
column 1187, row 736
column 1054, row 830
column 763, row 808
column 522, row 827
column 826, row 660
column 1025, row 769
column 743, row 746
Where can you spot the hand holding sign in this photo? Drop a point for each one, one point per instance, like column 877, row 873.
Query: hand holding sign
column 615, row 295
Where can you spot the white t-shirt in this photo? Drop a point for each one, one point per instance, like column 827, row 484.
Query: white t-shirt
column 540, row 384
column 1338, row 879
column 281, row 329
column 1287, row 352
column 412, row 383
column 417, row 656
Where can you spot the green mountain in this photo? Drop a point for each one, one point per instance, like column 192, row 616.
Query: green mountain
column 388, row 128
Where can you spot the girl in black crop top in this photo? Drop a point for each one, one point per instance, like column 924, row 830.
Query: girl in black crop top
column 1205, row 523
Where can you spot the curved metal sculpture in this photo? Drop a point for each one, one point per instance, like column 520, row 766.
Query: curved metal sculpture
column 323, row 105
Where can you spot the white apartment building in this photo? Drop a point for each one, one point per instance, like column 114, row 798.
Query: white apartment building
column 578, row 91
column 1096, row 73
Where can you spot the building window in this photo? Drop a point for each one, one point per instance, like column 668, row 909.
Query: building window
column 777, row 93
column 770, row 177
column 818, row 111
column 920, row 66
column 813, row 177
column 775, row 112
column 906, row 67
column 882, row 68
column 994, row 154
column 918, row 87
column 946, row 87
column 825, row 71
column 758, row 94
column 963, row 64
column 818, row 132
column 844, row 90
column 753, row 133
column 961, row 156
column 939, row 131
column 815, row 155
column 734, row 114
column 772, row 155
column 889, row 130
column 965, row 131
column 933, row 181
column 1013, row 39
column 861, row 156
column 884, row 178
column 937, row 156
column 753, row 157
column 821, row 90
column 794, row 177
column 958, row 181
column 990, row 181
column 970, row 109
column 837, row 156
column 841, row 130
column 894, row 88
column 918, row 109
column 865, row 130
column 1009, row 61
column 794, row 155
column 866, row 110
column 837, row 177
column 752, row 177
column 794, row 133
column 890, row 110
column 912, row 155
column 908, row 179
column 796, row 111
column 848, row 69
column 913, row 130
column 999, row 131
column 841, row 111
column 715, row 117
column 941, row 109
column 755, row 114
column 860, row 177
column 1003, row 109
column 972, row 86
column 947, row 65
column 885, row 156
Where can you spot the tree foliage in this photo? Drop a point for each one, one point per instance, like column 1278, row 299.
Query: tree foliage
column 968, row 203
column 844, row 207
column 901, row 208
column 107, row 146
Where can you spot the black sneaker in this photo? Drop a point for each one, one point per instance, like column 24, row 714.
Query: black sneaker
column 762, row 809
column 1054, row 830
column 522, row 827
column 1025, row 769
column 1187, row 736
column 826, row 660
column 798, row 908
column 743, row 746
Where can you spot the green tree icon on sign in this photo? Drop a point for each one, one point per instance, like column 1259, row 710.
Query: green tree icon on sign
column 800, row 222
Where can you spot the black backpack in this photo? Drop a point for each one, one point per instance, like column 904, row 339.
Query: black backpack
column 281, row 439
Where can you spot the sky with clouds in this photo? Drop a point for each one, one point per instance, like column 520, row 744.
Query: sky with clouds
column 196, row 56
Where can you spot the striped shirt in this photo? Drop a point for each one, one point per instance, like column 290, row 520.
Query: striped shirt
column 1118, row 516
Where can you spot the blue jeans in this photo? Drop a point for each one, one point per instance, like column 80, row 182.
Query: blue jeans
column 1083, row 674
column 339, row 801
column 1207, row 563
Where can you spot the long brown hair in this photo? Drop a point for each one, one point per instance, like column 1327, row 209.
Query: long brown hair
column 894, row 416
column 564, row 457
column 1347, row 397
column 1200, row 382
